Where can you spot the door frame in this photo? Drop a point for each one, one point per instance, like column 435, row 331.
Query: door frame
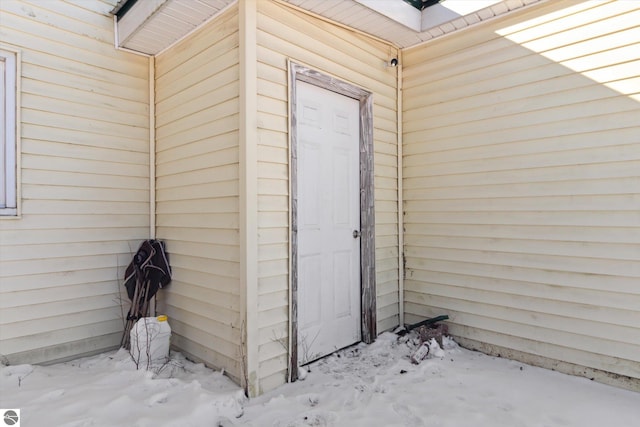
column 368, row 328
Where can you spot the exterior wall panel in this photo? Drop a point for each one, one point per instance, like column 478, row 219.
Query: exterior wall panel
column 284, row 33
column 522, row 186
column 85, row 182
column 197, row 187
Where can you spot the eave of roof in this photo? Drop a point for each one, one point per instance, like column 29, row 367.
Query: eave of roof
column 151, row 26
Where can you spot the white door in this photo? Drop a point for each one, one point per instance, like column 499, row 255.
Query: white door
column 328, row 218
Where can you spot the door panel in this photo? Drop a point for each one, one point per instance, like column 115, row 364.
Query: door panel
column 328, row 201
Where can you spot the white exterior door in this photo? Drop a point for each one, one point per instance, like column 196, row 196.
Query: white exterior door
column 328, row 219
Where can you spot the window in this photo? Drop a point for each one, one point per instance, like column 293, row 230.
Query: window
column 8, row 137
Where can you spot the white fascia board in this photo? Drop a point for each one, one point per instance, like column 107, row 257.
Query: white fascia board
column 135, row 17
column 449, row 10
column 401, row 12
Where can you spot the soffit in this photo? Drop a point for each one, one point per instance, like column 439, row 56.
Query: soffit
column 151, row 26
column 356, row 15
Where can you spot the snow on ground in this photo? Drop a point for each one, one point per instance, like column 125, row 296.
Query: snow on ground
column 107, row 390
column 364, row 385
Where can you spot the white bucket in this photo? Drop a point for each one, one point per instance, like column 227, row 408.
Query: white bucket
column 150, row 338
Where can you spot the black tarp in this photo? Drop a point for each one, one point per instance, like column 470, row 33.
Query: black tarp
column 148, row 271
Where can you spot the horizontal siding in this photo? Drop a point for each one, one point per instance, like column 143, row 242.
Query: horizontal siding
column 522, row 184
column 284, row 33
column 85, row 182
column 197, row 202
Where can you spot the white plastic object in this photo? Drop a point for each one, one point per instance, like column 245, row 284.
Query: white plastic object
column 421, row 353
column 150, row 340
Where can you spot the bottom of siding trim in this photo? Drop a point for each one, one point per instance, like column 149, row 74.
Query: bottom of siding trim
column 209, row 357
column 67, row 351
column 388, row 324
column 270, row 382
column 598, row 375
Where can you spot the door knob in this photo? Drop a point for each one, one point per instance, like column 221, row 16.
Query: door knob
column 356, row 234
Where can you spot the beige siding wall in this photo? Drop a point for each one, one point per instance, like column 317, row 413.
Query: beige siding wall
column 522, row 185
column 197, row 190
column 85, row 185
column 284, row 33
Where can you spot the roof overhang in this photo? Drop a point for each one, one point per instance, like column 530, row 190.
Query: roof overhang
column 428, row 17
column 152, row 26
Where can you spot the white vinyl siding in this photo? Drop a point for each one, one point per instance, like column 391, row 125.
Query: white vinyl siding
column 522, row 185
column 85, row 181
column 284, row 33
column 197, row 191
column 8, row 137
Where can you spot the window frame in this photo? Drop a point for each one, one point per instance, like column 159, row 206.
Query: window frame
column 10, row 141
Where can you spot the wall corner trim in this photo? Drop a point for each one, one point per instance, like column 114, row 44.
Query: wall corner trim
column 152, row 147
column 248, row 159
